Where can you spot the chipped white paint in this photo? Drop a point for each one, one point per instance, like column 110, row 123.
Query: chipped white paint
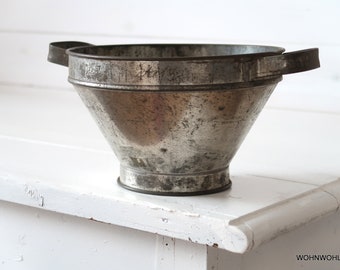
column 32, row 238
column 34, row 194
column 230, row 220
column 177, row 254
column 165, row 253
column 19, row 258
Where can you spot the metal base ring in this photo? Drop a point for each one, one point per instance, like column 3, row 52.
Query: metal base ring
column 175, row 185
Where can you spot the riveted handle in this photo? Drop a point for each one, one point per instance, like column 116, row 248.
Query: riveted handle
column 287, row 63
column 57, row 51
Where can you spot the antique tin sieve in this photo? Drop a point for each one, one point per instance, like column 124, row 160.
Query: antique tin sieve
column 175, row 114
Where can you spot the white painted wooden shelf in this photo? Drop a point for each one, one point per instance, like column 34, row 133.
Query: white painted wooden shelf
column 286, row 174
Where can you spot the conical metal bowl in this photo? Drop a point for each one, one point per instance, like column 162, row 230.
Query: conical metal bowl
column 175, row 114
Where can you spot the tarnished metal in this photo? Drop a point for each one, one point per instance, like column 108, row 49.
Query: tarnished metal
column 175, row 115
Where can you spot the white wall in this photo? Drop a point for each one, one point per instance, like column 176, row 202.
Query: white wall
column 26, row 28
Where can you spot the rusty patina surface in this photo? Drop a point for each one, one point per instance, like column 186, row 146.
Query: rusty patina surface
column 175, row 115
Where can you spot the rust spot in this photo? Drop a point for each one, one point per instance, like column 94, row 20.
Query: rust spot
column 164, row 150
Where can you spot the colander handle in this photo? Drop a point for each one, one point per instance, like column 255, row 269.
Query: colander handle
column 57, row 51
column 287, row 63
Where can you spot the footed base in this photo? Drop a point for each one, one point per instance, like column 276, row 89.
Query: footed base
column 175, row 184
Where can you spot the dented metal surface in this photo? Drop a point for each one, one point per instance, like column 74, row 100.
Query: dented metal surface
column 175, row 115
